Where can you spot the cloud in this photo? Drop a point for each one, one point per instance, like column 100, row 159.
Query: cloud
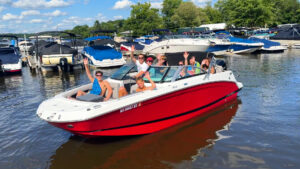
column 56, row 13
column 36, row 21
column 2, row 8
column 5, row 2
column 40, row 4
column 200, row 3
column 122, row 4
column 157, row 5
column 10, row 16
column 100, row 17
column 30, row 13
column 118, row 17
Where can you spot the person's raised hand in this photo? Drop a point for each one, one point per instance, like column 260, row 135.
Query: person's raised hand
column 185, row 55
column 132, row 48
column 85, row 61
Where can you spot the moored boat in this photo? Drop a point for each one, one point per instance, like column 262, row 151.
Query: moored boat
column 176, row 99
column 10, row 57
column 101, row 52
column 176, row 44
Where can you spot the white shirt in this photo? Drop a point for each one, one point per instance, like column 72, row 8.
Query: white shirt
column 141, row 67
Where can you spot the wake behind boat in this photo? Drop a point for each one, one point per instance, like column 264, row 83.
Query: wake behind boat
column 176, row 99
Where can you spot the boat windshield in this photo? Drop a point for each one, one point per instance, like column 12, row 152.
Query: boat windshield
column 158, row 74
column 162, row 73
column 124, row 71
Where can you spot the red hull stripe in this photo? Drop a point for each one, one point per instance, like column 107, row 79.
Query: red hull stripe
column 158, row 120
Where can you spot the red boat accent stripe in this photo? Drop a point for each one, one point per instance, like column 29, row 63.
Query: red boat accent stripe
column 188, row 112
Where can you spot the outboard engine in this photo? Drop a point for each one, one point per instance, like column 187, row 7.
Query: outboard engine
column 63, row 63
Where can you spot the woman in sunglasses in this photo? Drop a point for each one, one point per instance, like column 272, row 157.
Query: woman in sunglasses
column 99, row 85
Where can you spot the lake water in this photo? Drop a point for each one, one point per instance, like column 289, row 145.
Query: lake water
column 258, row 130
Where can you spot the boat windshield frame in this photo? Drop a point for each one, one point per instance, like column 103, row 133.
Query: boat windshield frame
column 159, row 74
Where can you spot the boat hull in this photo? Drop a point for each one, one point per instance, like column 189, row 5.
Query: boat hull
column 156, row 114
column 177, row 46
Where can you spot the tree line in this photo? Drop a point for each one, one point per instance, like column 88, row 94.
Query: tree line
column 178, row 13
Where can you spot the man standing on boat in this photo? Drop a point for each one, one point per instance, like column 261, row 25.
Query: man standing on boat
column 140, row 63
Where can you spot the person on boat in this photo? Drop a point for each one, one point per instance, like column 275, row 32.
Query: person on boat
column 194, row 67
column 161, row 60
column 140, row 85
column 182, row 73
column 205, row 64
column 99, row 85
column 140, row 63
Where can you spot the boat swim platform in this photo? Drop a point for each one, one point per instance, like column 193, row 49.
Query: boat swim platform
column 288, row 43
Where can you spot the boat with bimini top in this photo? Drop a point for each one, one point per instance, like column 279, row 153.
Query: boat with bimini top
column 178, row 97
column 10, row 57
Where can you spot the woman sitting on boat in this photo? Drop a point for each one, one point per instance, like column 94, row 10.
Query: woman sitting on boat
column 99, row 85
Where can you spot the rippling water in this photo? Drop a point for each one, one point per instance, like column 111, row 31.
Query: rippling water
column 259, row 130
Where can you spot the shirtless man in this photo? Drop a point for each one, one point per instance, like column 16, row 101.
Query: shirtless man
column 99, row 85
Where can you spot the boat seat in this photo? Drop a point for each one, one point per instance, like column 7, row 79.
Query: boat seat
column 133, row 88
column 115, row 90
column 90, row 98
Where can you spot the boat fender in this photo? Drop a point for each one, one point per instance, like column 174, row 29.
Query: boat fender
column 63, row 63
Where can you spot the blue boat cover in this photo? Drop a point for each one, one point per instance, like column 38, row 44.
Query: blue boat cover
column 267, row 43
column 97, row 38
column 241, row 40
column 102, row 52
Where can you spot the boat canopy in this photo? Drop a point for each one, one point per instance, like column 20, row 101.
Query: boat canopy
column 101, row 53
column 97, row 38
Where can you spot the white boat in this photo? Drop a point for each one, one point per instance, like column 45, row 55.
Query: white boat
column 101, row 52
column 24, row 46
column 10, row 57
column 176, row 45
column 176, row 99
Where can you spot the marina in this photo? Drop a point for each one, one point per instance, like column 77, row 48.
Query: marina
column 250, row 132
column 160, row 84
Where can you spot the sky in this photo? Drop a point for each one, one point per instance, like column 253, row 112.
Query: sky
column 31, row 16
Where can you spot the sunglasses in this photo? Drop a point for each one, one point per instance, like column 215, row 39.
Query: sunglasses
column 98, row 75
column 149, row 61
column 141, row 58
column 180, row 64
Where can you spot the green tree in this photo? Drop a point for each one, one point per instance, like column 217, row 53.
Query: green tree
column 186, row 15
column 288, row 11
column 249, row 13
column 82, row 30
column 213, row 14
column 143, row 19
column 168, row 10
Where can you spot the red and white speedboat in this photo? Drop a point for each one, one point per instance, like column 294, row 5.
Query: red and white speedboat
column 175, row 100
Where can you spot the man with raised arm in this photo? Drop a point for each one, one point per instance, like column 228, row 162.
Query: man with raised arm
column 140, row 63
column 99, row 85
column 195, row 66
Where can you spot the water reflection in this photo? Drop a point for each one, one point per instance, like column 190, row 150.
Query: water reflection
column 165, row 149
